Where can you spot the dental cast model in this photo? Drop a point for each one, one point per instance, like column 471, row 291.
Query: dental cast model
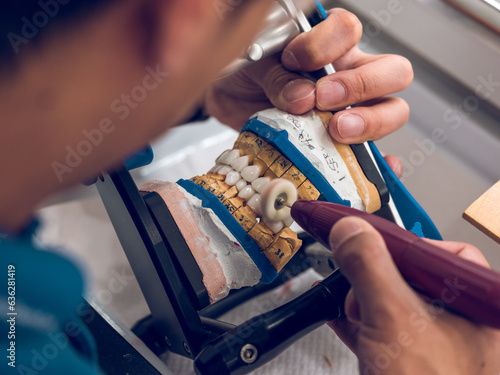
column 235, row 241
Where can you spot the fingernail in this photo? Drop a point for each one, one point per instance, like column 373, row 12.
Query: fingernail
column 289, row 60
column 297, row 90
column 350, row 126
column 330, row 94
column 343, row 231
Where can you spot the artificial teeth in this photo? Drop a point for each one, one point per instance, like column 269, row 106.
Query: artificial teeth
column 230, row 157
column 254, row 203
column 246, row 192
column 241, row 184
column 240, row 163
column 232, row 178
column 275, row 226
column 288, row 221
column 222, row 156
column 260, row 184
column 250, row 173
column 225, row 170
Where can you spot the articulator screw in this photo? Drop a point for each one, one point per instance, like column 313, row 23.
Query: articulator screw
column 249, row 354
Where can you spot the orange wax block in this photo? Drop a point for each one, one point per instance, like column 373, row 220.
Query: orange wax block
column 217, row 176
column 266, row 158
column 211, row 180
column 216, row 187
column 223, row 187
column 307, row 191
column 200, row 181
column 239, row 141
column 270, row 174
column 257, row 146
column 263, row 166
column 280, row 166
column 247, row 151
column 283, row 248
column 219, row 189
column 231, row 193
column 246, row 145
column 246, row 137
column 291, row 237
column 246, row 217
column 293, row 174
column 262, row 235
column 210, row 185
column 233, row 204
column 268, row 155
column 279, row 253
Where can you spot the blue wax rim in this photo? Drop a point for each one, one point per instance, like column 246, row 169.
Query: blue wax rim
column 209, row 200
column 279, row 139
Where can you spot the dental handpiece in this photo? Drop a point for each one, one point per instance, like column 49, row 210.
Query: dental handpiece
column 459, row 285
column 286, row 20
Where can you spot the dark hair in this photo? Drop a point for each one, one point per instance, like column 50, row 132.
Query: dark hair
column 24, row 22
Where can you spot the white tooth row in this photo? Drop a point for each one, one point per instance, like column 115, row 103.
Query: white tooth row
column 246, row 179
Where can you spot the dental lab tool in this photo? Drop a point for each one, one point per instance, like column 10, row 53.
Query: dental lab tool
column 286, row 20
column 465, row 287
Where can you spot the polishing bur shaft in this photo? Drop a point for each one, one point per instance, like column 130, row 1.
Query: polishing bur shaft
column 462, row 286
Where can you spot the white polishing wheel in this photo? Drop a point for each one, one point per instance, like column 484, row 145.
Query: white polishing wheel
column 277, row 192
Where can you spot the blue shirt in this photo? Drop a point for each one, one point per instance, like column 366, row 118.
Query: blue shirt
column 42, row 312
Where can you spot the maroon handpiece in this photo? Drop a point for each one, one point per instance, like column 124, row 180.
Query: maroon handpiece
column 462, row 286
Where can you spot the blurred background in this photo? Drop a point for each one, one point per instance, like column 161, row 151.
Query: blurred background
column 450, row 151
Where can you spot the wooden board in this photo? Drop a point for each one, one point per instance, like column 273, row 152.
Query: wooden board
column 484, row 213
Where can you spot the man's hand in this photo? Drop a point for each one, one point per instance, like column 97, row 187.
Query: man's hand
column 389, row 327
column 361, row 79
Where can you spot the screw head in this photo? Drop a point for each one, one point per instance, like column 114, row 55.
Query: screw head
column 249, row 354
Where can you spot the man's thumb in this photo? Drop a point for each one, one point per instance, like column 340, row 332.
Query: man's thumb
column 362, row 256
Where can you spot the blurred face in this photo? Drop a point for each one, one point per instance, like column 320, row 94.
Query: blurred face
column 129, row 70
column 104, row 58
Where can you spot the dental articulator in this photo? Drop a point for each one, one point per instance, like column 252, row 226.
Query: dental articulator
column 202, row 246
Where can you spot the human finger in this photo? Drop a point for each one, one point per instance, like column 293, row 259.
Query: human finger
column 382, row 76
column 395, row 164
column 325, row 43
column 287, row 91
column 347, row 331
column 362, row 256
column 463, row 250
column 370, row 121
column 347, row 327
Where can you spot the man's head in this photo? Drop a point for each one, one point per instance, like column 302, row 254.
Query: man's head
column 24, row 22
column 142, row 64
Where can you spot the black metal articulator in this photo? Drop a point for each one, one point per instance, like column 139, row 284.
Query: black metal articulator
column 182, row 321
